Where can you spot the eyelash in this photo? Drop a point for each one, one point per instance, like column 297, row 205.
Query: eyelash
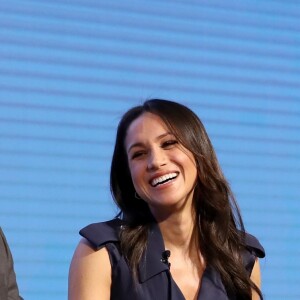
column 169, row 143
column 164, row 145
column 137, row 154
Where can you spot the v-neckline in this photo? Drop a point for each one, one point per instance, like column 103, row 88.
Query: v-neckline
column 175, row 285
column 211, row 285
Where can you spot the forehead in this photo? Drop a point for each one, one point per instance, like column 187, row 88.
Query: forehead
column 145, row 126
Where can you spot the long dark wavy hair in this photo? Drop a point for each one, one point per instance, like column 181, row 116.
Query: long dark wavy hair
column 218, row 225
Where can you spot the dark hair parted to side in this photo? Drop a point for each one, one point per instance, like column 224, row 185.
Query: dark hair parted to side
column 218, row 223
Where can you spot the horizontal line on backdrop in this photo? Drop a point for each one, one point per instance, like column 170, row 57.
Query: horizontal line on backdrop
column 57, row 200
column 105, row 30
column 98, row 48
column 234, row 6
column 56, row 215
column 260, row 168
column 52, row 139
column 217, row 62
column 42, row 291
column 277, row 210
column 265, row 222
column 50, row 185
column 248, row 124
column 279, row 267
column 107, row 127
column 284, row 281
column 260, row 182
column 36, row 261
column 96, row 111
column 69, row 109
column 175, row 75
column 50, row 169
column 60, row 124
column 274, row 197
column 257, row 139
column 68, row 156
column 181, row 88
column 52, row 246
column 262, row 153
column 34, row 229
column 187, row 12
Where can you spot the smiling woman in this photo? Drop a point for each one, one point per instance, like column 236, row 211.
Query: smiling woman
column 179, row 233
column 163, row 172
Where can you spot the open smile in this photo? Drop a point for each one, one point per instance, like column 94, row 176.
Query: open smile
column 163, row 179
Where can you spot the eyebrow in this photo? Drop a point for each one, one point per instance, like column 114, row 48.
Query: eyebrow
column 139, row 144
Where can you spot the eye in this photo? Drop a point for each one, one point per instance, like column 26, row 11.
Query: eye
column 137, row 154
column 169, row 144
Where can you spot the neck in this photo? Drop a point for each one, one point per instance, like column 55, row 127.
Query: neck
column 178, row 232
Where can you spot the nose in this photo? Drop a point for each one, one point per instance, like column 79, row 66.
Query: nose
column 156, row 159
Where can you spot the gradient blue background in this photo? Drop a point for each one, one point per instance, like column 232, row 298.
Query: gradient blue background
column 69, row 69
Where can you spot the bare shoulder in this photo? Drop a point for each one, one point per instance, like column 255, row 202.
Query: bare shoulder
column 256, row 278
column 90, row 273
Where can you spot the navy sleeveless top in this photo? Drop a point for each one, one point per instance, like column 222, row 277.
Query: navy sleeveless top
column 154, row 277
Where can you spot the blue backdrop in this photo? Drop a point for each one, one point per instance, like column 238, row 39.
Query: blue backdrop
column 70, row 68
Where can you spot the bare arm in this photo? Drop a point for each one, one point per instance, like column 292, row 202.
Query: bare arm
column 90, row 273
column 256, row 278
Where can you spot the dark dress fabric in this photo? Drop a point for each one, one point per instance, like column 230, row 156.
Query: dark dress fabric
column 154, row 277
column 8, row 284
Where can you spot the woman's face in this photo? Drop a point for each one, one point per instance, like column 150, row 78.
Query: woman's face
column 162, row 170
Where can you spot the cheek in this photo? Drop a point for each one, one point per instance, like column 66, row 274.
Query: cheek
column 185, row 159
column 189, row 164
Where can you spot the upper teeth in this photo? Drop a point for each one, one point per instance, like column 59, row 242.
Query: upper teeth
column 163, row 178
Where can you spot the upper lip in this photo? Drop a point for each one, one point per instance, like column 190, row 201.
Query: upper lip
column 159, row 174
